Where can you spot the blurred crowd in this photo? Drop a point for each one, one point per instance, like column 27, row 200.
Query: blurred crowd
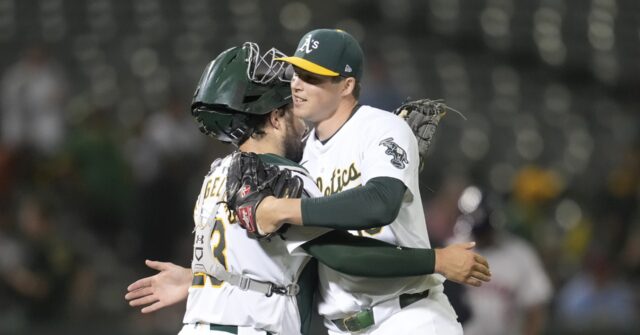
column 84, row 201
column 91, row 185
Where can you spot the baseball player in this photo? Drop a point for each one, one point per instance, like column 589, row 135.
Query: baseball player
column 515, row 300
column 365, row 161
column 257, row 286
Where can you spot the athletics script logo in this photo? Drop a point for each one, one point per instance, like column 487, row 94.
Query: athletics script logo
column 398, row 155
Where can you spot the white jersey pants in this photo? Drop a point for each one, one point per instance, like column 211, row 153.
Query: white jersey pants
column 203, row 329
column 431, row 315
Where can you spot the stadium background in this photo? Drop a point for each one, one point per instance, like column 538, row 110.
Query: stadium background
column 100, row 161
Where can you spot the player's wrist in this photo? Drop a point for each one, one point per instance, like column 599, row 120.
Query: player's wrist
column 266, row 214
column 290, row 211
column 438, row 267
column 186, row 275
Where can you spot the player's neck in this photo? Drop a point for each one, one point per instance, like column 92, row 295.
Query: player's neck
column 261, row 146
column 329, row 126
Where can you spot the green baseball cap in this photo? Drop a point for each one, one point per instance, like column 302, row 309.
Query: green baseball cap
column 328, row 52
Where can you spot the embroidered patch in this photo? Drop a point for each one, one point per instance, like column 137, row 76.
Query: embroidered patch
column 398, row 155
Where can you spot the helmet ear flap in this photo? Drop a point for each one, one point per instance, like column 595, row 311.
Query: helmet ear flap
column 224, row 126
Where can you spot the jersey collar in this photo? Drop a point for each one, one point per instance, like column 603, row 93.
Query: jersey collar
column 353, row 111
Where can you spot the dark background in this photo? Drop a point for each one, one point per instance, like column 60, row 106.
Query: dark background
column 100, row 161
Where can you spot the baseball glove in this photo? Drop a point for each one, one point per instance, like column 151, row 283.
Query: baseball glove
column 423, row 117
column 249, row 181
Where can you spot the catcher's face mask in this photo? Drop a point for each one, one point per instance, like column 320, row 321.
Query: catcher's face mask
column 239, row 83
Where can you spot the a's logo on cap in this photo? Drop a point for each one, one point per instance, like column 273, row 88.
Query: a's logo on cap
column 309, row 45
column 347, row 68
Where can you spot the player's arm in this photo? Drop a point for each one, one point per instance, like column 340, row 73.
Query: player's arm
column 367, row 257
column 389, row 168
column 372, row 205
column 168, row 287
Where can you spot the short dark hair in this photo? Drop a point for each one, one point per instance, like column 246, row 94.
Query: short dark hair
column 257, row 123
column 356, row 88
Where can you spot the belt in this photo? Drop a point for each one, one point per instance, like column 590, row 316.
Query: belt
column 364, row 319
column 223, row 328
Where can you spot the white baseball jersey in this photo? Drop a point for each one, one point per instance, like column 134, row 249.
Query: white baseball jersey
column 518, row 281
column 372, row 143
column 278, row 261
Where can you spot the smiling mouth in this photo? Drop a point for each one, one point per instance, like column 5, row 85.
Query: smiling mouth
column 298, row 100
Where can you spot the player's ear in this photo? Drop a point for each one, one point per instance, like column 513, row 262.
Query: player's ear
column 349, row 84
column 276, row 118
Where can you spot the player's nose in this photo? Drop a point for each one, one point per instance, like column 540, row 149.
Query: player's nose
column 296, row 83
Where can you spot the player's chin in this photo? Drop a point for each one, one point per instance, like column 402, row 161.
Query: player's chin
column 293, row 150
column 301, row 110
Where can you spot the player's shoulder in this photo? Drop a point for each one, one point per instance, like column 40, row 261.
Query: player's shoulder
column 373, row 112
column 381, row 119
column 310, row 188
column 219, row 163
column 282, row 163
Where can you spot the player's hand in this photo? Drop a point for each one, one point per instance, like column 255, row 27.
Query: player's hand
column 459, row 264
column 169, row 286
column 267, row 216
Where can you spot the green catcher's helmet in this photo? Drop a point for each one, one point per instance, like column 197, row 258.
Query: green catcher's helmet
column 237, row 86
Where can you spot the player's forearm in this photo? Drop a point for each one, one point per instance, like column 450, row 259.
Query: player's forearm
column 354, row 255
column 273, row 213
column 375, row 204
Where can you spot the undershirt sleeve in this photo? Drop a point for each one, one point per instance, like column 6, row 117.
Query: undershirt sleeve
column 375, row 204
column 355, row 255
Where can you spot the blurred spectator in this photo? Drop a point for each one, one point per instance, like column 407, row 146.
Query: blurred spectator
column 97, row 176
column 32, row 94
column 514, row 301
column 441, row 213
column 6, row 174
column 164, row 159
column 168, row 138
column 631, row 251
column 37, row 268
column 12, row 310
column 597, row 300
column 534, row 190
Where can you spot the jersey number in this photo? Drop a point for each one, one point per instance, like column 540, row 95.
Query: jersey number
column 219, row 249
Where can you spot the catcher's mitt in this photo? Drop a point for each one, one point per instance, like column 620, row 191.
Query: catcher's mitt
column 249, row 181
column 423, row 117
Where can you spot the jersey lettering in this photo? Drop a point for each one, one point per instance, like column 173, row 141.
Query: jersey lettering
column 215, row 188
column 340, row 178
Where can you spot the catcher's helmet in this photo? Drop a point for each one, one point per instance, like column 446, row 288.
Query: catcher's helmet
column 235, row 87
